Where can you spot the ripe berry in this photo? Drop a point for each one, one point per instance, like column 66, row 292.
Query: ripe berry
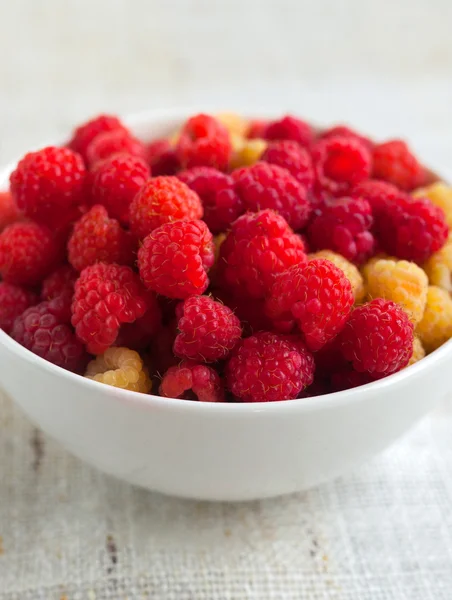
column 204, row 141
column 60, row 281
column 208, row 330
column 264, row 186
column 439, row 194
column 14, row 300
column 291, row 156
column 96, row 238
column 192, row 381
column 174, row 259
column 290, row 128
column 378, row 338
column 350, row 270
column 418, row 351
column 121, row 368
column 106, row 296
column 345, row 132
column 28, row 253
column 162, row 200
column 435, row 327
column 220, row 201
column 380, row 195
column 139, row 334
column 85, row 133
column 439, row 266
column 162, row 158
column 119, row 141
column 9, row 213
column 115, row 183
column 317, row 295
column 394, row 162
column 268, row 367
column 256, row 128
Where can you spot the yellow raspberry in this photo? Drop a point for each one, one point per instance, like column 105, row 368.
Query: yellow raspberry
column 439, row 266
column 122, row 368
column 246, row 152
column 439, row 194
column 418, row 351
column 233, row 122
column 351, row 272
column 436, row 325
column 402, row 282
column 367, row 267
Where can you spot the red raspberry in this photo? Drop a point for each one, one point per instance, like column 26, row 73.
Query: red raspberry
column 340, row 163
column 106, row 296
column 48, row 185
column 139, row 335
column 193, row 382
column 317, row 295
column 294, row 158
column 220, row 201
column 85, row 133
column 28, row 253
column 268, row 367
column 204, row 141
column 115, row 183
column 258, row 247
column 269, row 186
column 59, row 282
column 14, row 300
column 96, row 238
column 162, row 200
column 9, row 213
column 174, row 259
column 163, row 158
column 290, row 128
column 250, row 313
column 41, row 330
column 345, row 132
column 119, row 141
column 256, row 129
column 342, row 225
column 378, row 338
column 347, row 379
column 394, row 162
column 379, row 194
column 208, row 330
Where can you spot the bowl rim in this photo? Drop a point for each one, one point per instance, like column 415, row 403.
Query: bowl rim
column 312, row 403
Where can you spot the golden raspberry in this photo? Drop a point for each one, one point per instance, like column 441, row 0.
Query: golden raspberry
column 351, row 271
column 439, row 194
column 246, row 152
column 402, row 282
column 436, row 325
column 418, row 351
column 122, row 368
column 234, row 123
column 367, row 267
column 439, row 266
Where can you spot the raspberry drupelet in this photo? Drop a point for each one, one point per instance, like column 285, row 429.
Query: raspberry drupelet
column 264, row 186
column 394, row 162
column 122, row 368
column 174, row 259
column 162, row 200
column 106, row 296
column 268, row 367
column 192, row 381
column 162, row 158
column 118, row 141
column 289, row 128
column 85, row 133
column 208, row 330
column 378, row 338
column 317, row 295
column 14, row 300
column 60, row 281
column 293, row 157
column 204, row 141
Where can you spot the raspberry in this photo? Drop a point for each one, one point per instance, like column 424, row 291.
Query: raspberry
column 402, row 282
column 294, row 158
column 256, row 128
column 106, row 296
column 380, row 195
column 28, row 253
column 258, row 247
column 349, row 269
column 174, row 258
column 394, row 162
column 268, row 367
column 233, row 122
column 418, row 351
column 342, row 225
column 60, row 281
column 436, row 325
column 204, row 141
column 246, row 152
column 192, row 381
column 9, row 213
column 250, row 313
column 221, row 203
column 85, row 133
column 290, row 128
column 48, row 185
column 264, row 186
column 348, row 379
column 139, row 334
column 161, row 352
column 121, row 368
column 118, row 141
column 208, row 330
column 378, row 338
column 115, row 183
column 14, row 300
column 440, row 195
column 439, row 266
column 96, row 238
column 317, row 295
column 340, row 163
column 345, row 132
column 42, row 330
column 162, row 200
column 163, row 158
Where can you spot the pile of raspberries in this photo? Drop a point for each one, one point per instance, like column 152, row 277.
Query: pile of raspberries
column 234, row 260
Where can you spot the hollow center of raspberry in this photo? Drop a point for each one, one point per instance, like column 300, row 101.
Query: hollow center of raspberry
column 341, row 166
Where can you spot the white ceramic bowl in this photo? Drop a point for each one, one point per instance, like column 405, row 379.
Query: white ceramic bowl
column 218, row 451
